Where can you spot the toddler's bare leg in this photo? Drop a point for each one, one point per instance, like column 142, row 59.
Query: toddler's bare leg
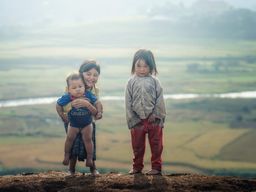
column 87, row 138
column 71, row 135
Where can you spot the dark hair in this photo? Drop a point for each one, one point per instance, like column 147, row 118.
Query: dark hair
column 73, row 76
column 148, row 57
column 87, row 65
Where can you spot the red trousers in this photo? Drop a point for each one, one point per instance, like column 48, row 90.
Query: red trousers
column 155, row 137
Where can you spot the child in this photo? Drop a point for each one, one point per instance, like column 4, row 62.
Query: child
column 89, row 71
column 80, row 118
column 145, row 111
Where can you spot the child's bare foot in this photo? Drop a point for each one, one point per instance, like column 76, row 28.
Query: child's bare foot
column 66, row 159
column 89, row 162
column 154, row 172
column 134, row 171
column 93, row 170
column 71, row 173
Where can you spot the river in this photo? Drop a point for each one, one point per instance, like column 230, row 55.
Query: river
column 49, row 100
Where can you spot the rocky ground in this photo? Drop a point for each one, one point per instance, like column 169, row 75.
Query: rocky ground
column 62, row 182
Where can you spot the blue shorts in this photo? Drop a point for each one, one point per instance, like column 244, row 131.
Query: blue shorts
column 79, row 118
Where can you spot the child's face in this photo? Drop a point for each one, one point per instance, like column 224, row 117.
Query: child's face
column 91, row 77
column 76, row 88
column 141, row 68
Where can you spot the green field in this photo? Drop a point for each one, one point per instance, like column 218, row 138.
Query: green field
column 194, row 141
column 210, row 136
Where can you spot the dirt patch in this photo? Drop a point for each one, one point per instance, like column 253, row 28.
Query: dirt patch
column 62, row 182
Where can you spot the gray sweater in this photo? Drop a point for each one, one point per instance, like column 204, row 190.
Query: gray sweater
column 143, row 97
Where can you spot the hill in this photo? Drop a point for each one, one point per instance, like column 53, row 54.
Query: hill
column 60, row 181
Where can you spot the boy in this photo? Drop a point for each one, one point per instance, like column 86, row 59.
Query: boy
column 80, row 118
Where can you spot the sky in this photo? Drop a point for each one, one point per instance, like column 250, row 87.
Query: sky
column 235, row 3
column 38, row 11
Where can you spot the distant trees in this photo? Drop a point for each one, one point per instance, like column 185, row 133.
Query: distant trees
column 205, row 19
column 221, row 65
column 250, row 59
column 193, row 67
column 238, row 23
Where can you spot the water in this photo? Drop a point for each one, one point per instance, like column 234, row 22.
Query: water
column 50, row 100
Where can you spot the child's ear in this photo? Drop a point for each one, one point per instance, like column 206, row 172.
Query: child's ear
column 66, row 89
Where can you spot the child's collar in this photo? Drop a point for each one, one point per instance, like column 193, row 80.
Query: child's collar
column 72, row 97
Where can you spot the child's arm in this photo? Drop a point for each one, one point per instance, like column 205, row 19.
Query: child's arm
column 99, row 108
column 77, row 103
column 131, row 117
column 61, row 113
column 159, row 111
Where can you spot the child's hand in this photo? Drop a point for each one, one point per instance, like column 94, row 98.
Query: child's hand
column 151, row 118
column 98, row 116
column 77, row 103
column 64, row 118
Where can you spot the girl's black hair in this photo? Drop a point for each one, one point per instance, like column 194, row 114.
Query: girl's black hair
column 148, row 57
column 87, row 65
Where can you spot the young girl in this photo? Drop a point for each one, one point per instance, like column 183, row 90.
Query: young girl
column 80, row 118
column 145, row 111
column 89, row 71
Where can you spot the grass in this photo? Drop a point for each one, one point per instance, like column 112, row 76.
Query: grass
column 244, row 147
column 190, row 145
column 50, row 79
